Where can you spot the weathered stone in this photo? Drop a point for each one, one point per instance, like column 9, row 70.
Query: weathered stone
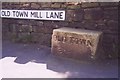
column 35, row 5
column 112, row 25
column 63, row 5
column 24, row 37
column 70, row 15
column 25, row 5
column 41, row 38
column 92, row 16
column 75, row 43
column 55, row 5
column 79, row 15
column 61, row 23
column 95, row 13
column 76, row 25
column 90, row 4
column 73, row 7
column 40, row 23
column 74, row 15
column 101, row 25
column 111, row 13
column 50, row 24
column 89, row 24
column 45, row 30
column 109, row 3
column 45, row 4
column 111, row 49
column 24, row 28
column 72, row 3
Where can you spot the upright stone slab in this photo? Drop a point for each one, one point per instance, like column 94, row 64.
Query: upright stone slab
column 75, row 43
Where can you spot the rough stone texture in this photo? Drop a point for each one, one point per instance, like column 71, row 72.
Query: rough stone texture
column 111, row 13
column 74, row 15
column 77, row 6
column 56, row 5
column 35, row 5
column 75, row 43
column 44, row 5
column 109, row 4
column 95, row 13
column 100, row 16
column 88, row 4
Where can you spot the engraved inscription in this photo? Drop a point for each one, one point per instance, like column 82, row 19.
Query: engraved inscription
column 73, row 40
column 75, row 43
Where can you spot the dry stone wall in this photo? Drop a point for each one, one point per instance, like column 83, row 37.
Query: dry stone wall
column 98, row 16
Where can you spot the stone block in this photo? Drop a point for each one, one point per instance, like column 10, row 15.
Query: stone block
column 79, row 15
column 112, row 25
column 89, row 24
column 46, row 30
column 41, row 38
column 25, row 5
column 89, row 4
column 73, row 7
column 24, row 28
column 76, row 25
column 24, row 37
column 111, row 13
column 109, row 3
column 45, row 4
column 74, row 15
column 35, row 5
column 76, row 43
column 70, row 15
column 95, row 13
column 56, row 5
column 63, row 5
column 61, row 23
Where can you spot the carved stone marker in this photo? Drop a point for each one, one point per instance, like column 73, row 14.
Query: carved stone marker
column 75, row 43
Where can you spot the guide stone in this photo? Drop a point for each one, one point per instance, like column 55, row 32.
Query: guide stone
column 75, row 43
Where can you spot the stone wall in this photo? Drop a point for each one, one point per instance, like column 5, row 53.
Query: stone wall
column 99, row 16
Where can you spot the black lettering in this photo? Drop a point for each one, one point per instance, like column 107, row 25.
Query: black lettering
column 8, row 13
column 17, row 14
column 5, row 13
column 47, row 15
column 51, row 15
column 61, row 15
column 40, row 14
column 13, row 13
column 21, row 14
column 56, row 15
column 25, row 14
column 32, row 14
column 36, row 14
